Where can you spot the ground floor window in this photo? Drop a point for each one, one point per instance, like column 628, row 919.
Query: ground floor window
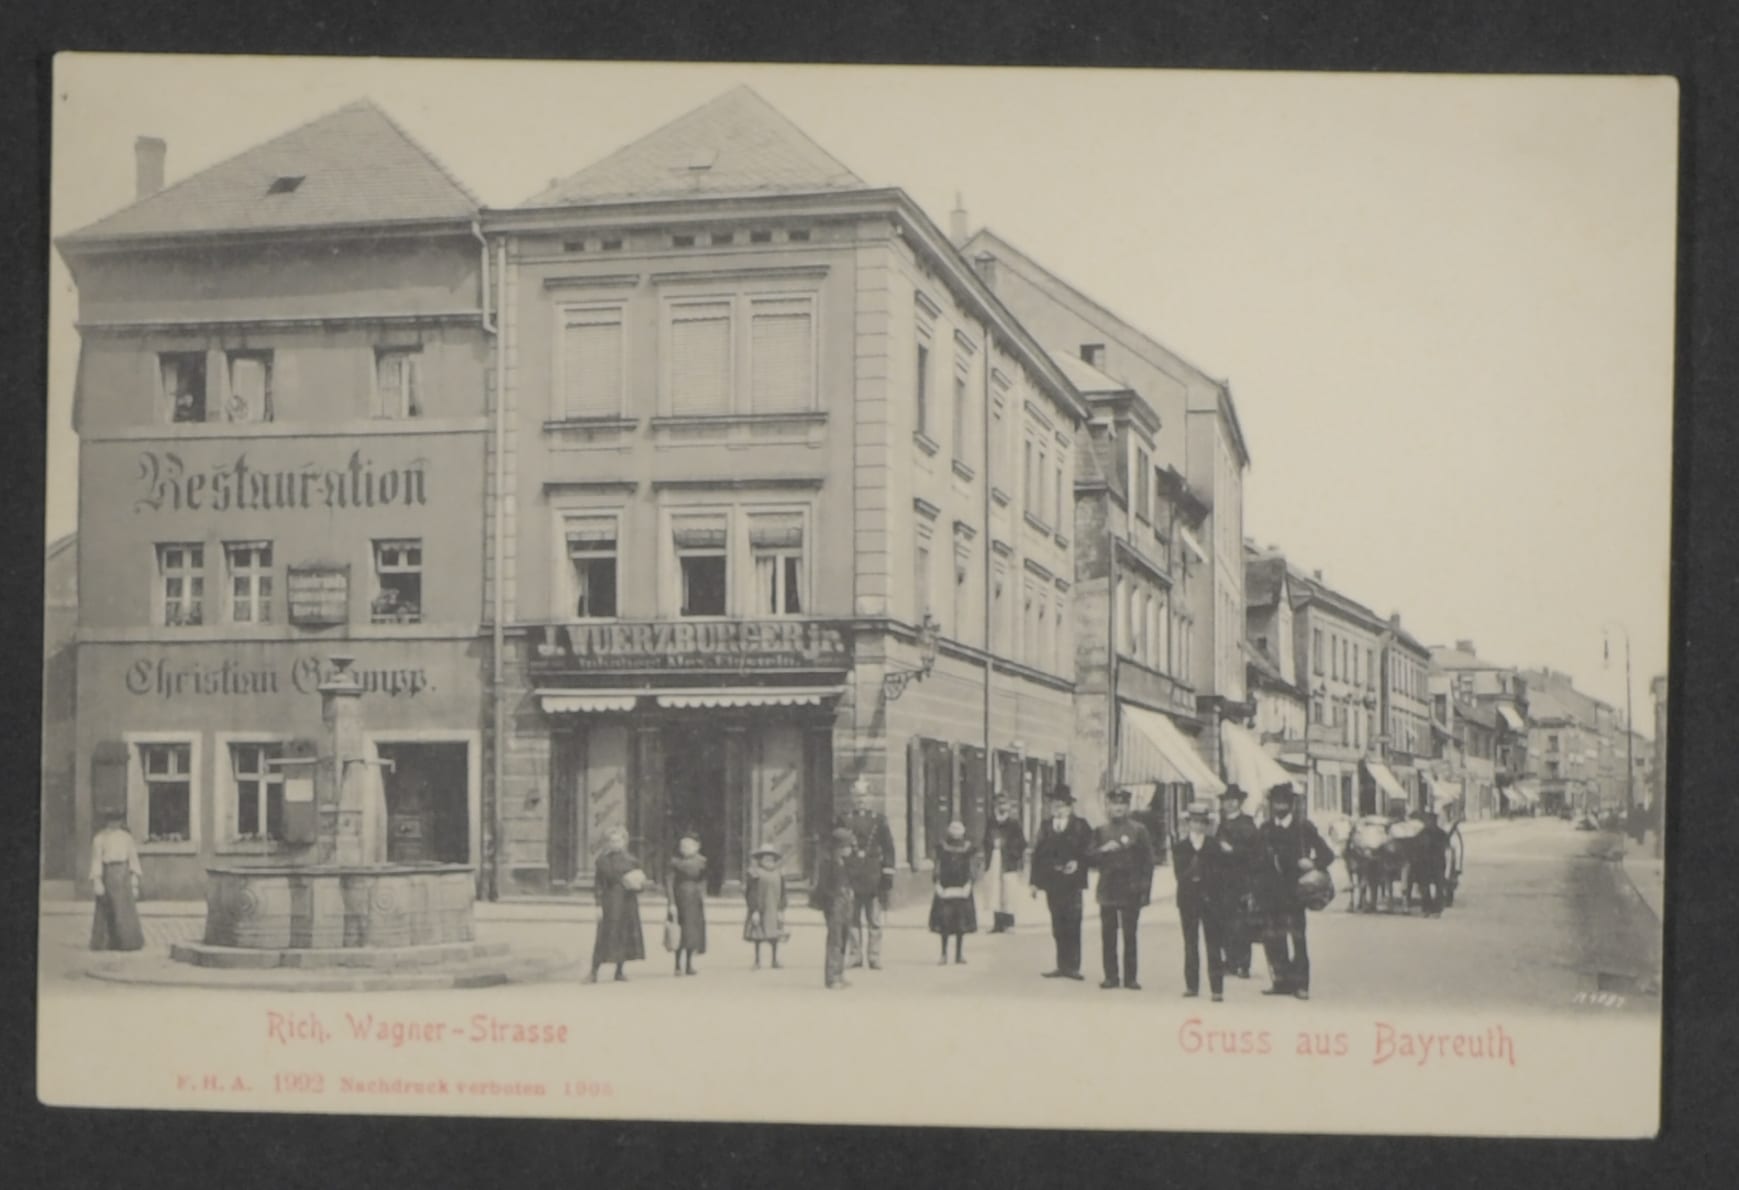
column 259, row 791
column 168, row 775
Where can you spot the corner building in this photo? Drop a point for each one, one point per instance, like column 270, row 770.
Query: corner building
column 783, row 502
column 280, row 411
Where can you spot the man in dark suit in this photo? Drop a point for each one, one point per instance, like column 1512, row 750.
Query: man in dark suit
column 869, row 868
column 1432, row 857
column 1241, row 845
column 1123, row 853
column 1293, row 847
column 1060, row 872
column 1202, row 869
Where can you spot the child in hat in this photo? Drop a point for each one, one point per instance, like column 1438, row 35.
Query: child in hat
column 833, row 896
column 953, row 913
column 686, row 885
column 764, row 888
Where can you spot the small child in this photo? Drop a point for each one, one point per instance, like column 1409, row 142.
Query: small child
column 953, row 913
column 686, row 885
column 832, row 895
column 764, row 887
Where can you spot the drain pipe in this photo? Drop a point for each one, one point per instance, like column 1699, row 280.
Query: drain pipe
column 989, row 564
column 499, row 594
column 483, row 273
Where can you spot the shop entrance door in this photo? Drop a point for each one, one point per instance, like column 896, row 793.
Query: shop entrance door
column 426, row 805
column 696, row 777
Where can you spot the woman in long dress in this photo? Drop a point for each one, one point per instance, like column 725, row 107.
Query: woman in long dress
column 618, row 881
column 686, row 886
column 115, row 876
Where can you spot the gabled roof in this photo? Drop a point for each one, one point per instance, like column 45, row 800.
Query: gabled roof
column 1132, row 337
column 355, row 165
column 736, row 144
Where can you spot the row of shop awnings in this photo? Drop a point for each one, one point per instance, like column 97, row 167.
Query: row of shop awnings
column 1524, row 794
column 598, row 702
column 1386, row 781
column 1151, row 749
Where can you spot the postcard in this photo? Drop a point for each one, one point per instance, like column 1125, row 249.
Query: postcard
column 965, row 597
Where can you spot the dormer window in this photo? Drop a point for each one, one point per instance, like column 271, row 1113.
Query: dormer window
column 285, row 184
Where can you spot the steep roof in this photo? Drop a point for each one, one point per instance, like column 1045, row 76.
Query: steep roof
column 1133, row 337
column 1263, row 579
column 735, row 144
column 354, row 165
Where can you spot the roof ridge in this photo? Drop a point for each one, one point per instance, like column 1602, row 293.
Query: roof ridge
column 559, row 190
column 218, row 164
column 987, row 230
column 417, row 144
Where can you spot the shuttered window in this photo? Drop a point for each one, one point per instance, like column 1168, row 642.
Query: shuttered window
column 591, row 363
column 782, row 355
column 700, row 358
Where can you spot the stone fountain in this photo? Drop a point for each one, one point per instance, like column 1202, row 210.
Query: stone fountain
column 335, row 902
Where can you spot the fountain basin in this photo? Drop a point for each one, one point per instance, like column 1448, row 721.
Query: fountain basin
column 328, row 907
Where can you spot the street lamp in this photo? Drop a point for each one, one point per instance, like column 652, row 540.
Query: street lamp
column 929, row 637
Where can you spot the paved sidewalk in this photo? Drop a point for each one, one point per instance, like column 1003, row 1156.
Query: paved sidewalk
column 1647, row 874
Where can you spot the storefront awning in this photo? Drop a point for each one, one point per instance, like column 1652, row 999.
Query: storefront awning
column 569, row 702
column 1529, row 793
column 1151, row 748
column 1191, row 544
column 1248, row 764
column 1386, row 780
column 749, row 696
column 1446, row 792
column 1512, row 717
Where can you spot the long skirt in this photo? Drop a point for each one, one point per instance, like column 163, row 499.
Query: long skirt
column 953, row 915
column 115, row 925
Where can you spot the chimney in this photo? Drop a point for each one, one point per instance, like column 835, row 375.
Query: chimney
column 149, row 153
column 957, row 222
column 1317, row 575
column 985, row 263
column 1465, row 646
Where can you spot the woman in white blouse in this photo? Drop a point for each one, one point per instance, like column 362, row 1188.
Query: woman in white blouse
column 115, row 877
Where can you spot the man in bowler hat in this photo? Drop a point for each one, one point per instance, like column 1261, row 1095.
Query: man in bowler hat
column 1293, row 847
column 1123, row 853
column 1201, row 868
column 1241, row 844
column 1060, row 872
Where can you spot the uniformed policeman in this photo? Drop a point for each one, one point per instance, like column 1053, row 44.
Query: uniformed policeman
column 1123, row 852
column 870, row 871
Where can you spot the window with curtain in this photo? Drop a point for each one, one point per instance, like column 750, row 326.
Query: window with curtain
column 395, row 383
column 592, row 362
column 591, row 552
column 781, row 355
column 700, row 358
column 250, row 386
column 701, row 558
column 776, row 544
